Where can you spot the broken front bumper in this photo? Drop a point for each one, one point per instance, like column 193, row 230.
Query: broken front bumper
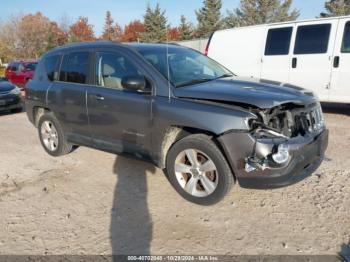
column 306, row 155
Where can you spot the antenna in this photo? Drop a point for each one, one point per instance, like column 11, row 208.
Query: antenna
column 167, row 62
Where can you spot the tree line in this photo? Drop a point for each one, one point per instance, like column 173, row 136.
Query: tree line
column 31, row 35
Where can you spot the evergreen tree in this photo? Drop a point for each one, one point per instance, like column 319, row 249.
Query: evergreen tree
column 336, row 8
column 155, row 24
column 186, row 29
column 108, row 29
column 209, row 18
column 111, row 31
column 252, row 12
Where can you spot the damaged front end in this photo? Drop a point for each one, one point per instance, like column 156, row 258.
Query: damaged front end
column 284, row 145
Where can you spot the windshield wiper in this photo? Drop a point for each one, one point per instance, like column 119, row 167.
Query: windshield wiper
column 195, row 81
column 203, row 80
column 224, row 76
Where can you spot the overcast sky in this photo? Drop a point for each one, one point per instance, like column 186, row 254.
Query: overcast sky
column 125, row 10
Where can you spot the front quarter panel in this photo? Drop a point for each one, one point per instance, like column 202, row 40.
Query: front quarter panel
column 181, row 113
column 215, row 119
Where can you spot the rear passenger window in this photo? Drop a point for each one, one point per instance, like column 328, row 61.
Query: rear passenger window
column 345, row 48
column 51, row 67
column 312, row 39
column 111, row 68
column 278, row 41
column 75, row 67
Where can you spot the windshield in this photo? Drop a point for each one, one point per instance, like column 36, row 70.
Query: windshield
column 186, row 66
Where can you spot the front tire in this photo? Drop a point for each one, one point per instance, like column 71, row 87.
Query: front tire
column 198, row 171
column 52, row 137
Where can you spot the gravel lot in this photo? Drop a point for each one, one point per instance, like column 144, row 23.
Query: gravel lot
column 92, row 202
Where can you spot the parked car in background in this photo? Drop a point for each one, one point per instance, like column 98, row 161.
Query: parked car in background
column 313, row 54
column 20, row 72
column 182, row 111
column 10, row 96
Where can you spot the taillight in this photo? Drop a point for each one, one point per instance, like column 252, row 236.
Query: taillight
column 206, row 52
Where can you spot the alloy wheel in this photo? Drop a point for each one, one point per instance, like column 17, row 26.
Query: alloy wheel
column 196, row 173
column 49, row 135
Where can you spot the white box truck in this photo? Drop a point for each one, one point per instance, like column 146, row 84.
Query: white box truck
column 314, row 54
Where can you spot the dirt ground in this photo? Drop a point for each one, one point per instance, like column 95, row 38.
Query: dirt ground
column 92, row 202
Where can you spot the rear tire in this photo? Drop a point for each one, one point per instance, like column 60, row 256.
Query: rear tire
column 52, row 136
column 198, row 170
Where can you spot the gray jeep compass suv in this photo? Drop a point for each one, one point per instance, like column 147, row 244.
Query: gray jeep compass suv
column 180, row 110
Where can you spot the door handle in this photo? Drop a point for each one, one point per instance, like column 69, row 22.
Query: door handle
column 294, row 62
column 336, row 61
column 99, row 97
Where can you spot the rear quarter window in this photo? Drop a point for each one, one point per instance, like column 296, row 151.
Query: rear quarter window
column 51, row 67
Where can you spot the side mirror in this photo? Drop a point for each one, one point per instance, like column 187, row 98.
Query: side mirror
column 134, row 83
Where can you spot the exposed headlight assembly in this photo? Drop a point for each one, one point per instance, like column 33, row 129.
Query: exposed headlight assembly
column 282, row 154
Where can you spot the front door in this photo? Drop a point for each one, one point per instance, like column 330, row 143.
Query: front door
column 312, row 56
column 120, row 119
column 276, row 56
column 340, row 84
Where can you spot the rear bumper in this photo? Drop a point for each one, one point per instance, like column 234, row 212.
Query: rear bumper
column 307, row 154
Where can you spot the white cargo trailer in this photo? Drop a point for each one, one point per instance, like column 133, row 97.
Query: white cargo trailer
column 314, row 54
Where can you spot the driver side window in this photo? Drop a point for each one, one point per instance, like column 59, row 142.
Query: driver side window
column 111, row 68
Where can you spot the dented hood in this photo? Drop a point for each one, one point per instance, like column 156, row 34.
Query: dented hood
column 259, row 93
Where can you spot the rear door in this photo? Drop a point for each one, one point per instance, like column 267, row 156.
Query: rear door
column 120, row 119
column 67, row 96
column 312, row 56
column 276, row 57
column 340, row 87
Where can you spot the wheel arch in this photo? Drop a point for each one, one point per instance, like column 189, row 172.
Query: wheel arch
column 176, row 133
column 39, row 111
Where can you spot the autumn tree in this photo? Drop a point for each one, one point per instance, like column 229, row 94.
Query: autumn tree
column 133, row 31
column 9, row 41
column 209, row 18
column 173, row 34
column 252, row 12
column 336, row 8
column 111, row 31
column 29, row 36
column 185, row 28
column 81, row 31
column 57, row 37
column 155, row 24
column 33, row 35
